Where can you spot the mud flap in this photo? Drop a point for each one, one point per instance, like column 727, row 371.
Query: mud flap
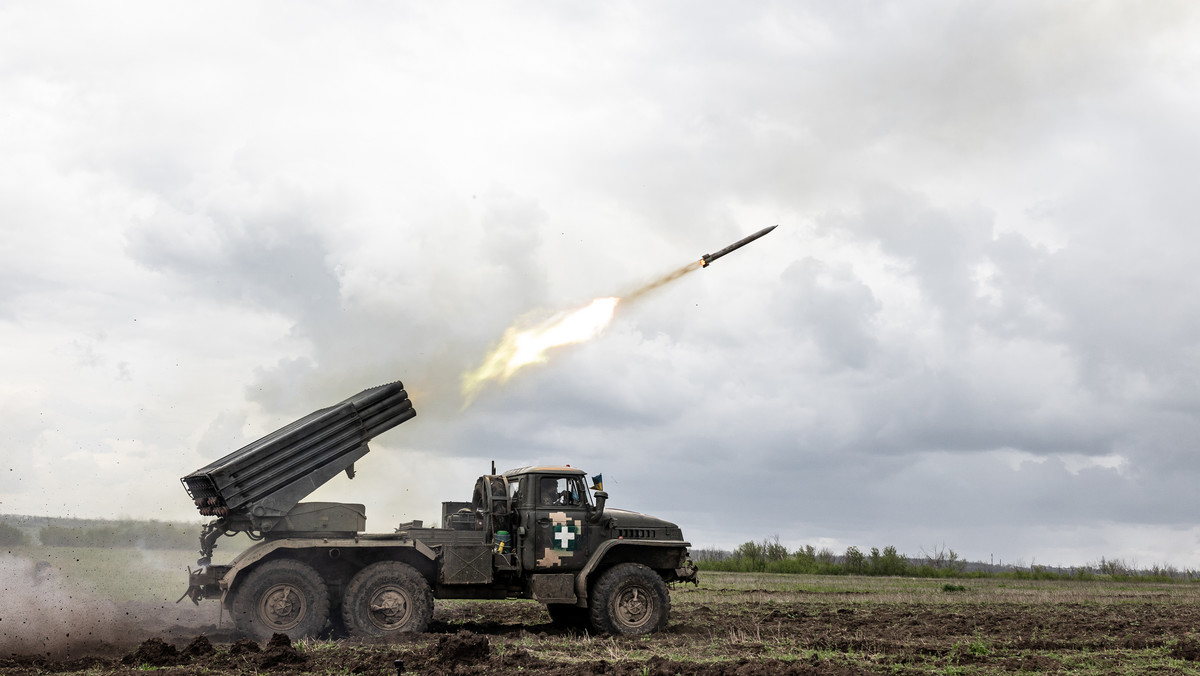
column 688, row 573
column 466, row 564
column 553, row 587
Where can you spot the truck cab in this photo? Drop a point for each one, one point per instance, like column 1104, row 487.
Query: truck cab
column 554, row 508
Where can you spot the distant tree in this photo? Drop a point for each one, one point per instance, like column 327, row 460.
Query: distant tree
column 11, row 536
column 942, row 558
column 1114, row 567
column 139, row 534
column 709, row 555
column 57, row 536
column 751, row 557
column 807, row 555
column 773, row 550
column 853, row 561
column 890, row 562
column 826, row 557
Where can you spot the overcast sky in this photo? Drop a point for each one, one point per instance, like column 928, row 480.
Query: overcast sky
column 977, row 325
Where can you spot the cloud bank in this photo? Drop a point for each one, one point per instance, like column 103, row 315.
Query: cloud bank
column 973, row 326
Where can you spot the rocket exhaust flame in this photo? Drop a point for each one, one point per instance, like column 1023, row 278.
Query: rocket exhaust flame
column 521, row 347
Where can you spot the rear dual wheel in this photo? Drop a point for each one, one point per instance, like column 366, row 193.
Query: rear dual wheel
column 281, row 597
column 387, row 598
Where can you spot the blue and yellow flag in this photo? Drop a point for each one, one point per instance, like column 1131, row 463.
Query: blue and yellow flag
column 598, row 482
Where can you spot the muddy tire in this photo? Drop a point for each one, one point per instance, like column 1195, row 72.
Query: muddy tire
column 281, row 596
column 630, row 599
column 387, row 598
column 569, row 616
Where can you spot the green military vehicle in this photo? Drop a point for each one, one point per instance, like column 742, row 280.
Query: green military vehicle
column 536, row 532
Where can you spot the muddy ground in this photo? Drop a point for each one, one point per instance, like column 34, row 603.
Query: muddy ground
column 712, row 631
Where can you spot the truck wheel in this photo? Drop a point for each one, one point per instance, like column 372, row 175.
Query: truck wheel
column 568, row 615
column 630, row 599
column 385, row 598
column 281, row 596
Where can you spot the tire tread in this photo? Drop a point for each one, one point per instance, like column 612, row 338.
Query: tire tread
column 356, row 621
column 265, row 575
column 610, row 583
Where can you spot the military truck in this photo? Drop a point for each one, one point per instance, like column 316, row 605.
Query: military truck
column 537, row 532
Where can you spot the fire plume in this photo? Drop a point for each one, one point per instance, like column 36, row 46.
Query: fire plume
column 525, row 345
column 522, row 347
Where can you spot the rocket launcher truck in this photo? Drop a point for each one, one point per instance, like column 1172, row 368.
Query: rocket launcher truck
column 536, row 532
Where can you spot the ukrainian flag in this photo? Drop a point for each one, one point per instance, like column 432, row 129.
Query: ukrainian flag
column 598, row 482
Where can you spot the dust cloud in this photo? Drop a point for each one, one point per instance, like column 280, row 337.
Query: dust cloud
column 46, row 613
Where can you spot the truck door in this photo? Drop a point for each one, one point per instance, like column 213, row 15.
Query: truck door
column 560, row 542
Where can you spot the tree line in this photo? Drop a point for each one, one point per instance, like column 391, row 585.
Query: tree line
column 11, row 536
column 770, row 556
column 139, row 534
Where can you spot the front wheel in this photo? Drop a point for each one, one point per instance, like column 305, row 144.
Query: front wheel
column 281, row 597
column 630, row 599
column 386, row 598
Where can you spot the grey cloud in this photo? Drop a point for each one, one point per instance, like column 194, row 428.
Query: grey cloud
column 433, row 324
column 271, row 260
column 12, row 287
column 985, row 251
column 511, row 255
column 833, row 306
column 1127, row 322
column 284, row 387
column 942, row 247
column 223, row 435
column 1021, row 276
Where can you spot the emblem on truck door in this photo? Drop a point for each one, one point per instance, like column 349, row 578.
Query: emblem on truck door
column 564, row 537
column 564, row 540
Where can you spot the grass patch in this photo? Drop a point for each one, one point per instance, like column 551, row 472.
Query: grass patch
column 120, row 574
column 856, row 623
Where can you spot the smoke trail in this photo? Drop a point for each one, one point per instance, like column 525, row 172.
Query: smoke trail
column 661, row 281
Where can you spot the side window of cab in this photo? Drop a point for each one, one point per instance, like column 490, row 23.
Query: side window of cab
column 515, row 492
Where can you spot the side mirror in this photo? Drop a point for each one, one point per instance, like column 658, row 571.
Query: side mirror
column 598, row 513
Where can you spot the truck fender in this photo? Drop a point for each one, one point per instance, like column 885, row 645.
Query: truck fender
column 602, row 552
column 257, row 553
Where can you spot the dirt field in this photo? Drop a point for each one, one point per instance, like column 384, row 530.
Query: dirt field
column 731, row 624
